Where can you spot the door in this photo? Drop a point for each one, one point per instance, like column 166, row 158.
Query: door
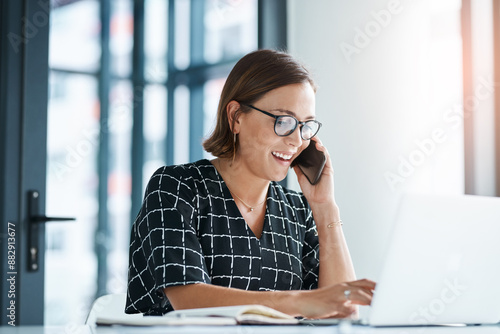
column 23, row 107
column 46, row 146
column 98, row 106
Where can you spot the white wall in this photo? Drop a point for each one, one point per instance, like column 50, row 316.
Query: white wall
column 397, row 98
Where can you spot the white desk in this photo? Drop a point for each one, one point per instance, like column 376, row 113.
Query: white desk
column 248, row 330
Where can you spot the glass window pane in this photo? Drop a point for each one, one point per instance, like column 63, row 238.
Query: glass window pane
column 121, row 37
column 155, row 40
column 182, row 34
column 230, row 29
column 72, row 146
column 211, row 91
column 119, row 127
column 155, row 129
column 75, row 36
column 181, row 126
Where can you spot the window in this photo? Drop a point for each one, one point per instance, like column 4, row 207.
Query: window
column 480, row 22
column 134, row 85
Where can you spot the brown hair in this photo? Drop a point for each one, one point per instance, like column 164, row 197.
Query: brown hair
column 253, row 76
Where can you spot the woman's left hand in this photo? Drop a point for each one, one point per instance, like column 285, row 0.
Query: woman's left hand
column 322, row 193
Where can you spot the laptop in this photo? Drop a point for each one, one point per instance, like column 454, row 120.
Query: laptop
column 442, row 265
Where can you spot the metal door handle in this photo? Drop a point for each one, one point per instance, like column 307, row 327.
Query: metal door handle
column 44, row 219
column 34, row 222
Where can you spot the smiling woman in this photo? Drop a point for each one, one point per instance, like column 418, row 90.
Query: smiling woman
column 251, row 78
column 224, row 232
column 262, row 142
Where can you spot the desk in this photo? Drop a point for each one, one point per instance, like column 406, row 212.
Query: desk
column 248, row 330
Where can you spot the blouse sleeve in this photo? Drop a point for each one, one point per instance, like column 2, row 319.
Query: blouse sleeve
column 164, row 248
column 310, row 255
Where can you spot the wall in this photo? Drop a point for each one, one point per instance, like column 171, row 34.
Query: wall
column 390, row 99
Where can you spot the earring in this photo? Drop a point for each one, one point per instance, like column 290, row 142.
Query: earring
column 234, row 148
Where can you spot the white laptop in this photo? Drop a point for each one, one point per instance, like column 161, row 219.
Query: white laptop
column 442, row 265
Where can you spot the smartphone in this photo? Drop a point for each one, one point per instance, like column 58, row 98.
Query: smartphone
column 311, row 162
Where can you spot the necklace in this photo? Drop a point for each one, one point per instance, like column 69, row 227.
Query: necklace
column 250, row 207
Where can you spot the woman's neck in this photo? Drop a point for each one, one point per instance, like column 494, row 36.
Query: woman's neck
column 247, row 187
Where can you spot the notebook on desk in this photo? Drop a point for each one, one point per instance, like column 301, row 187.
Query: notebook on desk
column 442, row 265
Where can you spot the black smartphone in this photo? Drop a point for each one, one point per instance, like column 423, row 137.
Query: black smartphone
column 311, row 162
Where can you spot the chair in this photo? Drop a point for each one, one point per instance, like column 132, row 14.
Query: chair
column 110, row 306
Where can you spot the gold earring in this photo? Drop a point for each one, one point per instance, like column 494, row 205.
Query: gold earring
column 234, row 148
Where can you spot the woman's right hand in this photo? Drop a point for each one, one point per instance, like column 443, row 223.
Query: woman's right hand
column 326, row 302
column 331, row 301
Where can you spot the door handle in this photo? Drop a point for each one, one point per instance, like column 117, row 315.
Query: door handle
column 34, row 221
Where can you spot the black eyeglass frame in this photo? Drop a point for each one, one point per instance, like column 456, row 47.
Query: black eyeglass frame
column 297, row 122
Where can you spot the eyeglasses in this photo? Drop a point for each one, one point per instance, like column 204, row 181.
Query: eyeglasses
column 285, row 125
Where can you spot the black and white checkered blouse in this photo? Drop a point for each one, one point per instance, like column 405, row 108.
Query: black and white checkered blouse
column 189, row 230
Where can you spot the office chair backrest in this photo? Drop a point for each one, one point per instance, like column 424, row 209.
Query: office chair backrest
column 109, row 306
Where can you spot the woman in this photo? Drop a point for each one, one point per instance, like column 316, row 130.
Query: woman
column 223, row 232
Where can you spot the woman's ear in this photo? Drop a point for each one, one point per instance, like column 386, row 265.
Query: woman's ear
column 233, row 113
